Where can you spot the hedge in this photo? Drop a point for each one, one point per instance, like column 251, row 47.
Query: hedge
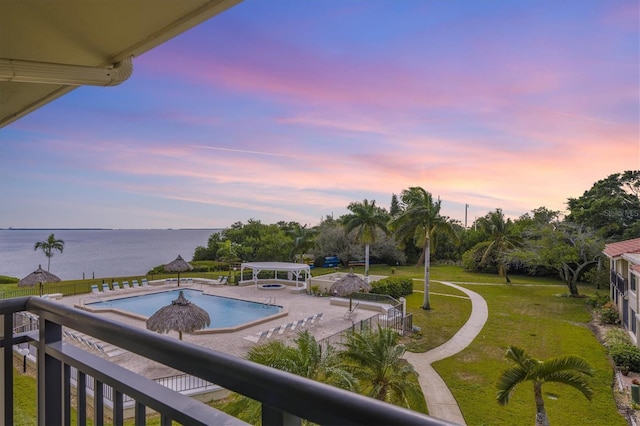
column 395, row 287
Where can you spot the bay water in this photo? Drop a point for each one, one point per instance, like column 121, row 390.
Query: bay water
column 97, row 253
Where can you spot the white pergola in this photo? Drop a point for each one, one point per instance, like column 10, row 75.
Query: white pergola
column 297, row 270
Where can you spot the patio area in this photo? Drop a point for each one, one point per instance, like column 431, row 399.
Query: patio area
column 297, row 306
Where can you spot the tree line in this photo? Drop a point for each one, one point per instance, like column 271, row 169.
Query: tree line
column 413, row 231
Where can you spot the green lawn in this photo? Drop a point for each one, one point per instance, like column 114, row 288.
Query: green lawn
column 527, row 313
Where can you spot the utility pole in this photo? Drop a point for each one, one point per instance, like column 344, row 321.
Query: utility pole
column 466, row 207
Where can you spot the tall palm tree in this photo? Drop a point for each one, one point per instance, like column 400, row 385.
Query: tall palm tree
column 501, row 238
column 48, row 246
column 375, row 358
column 366, row 218
column 418, row 221
column 570, row 370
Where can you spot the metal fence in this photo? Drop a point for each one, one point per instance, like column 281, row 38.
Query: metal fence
column 285, row 398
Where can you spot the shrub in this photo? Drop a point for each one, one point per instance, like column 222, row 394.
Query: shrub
column 8, row 280
column 609, row 314
column 626, row 357
column 395, row 287
column 597, row 301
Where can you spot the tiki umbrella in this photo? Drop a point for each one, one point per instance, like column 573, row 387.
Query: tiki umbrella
column 39, row 276
column 181, row 315
column 349, row 284
column 178, row 265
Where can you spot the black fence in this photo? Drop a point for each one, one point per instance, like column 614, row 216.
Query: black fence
column 285, row 398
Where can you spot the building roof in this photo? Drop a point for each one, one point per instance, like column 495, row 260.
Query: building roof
column 48, row 48
column 622, row 247
column 276, row 266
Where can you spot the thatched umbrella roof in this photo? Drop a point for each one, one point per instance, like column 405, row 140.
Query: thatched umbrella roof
column 349, row 284
column 178, row 265
column 39, row 277
column 181, row 316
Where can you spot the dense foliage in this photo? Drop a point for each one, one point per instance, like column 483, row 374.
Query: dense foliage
column 395, row 287
column 412, row 230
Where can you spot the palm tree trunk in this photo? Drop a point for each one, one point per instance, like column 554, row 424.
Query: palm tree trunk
column 426, row 303
column 366, row 260
column 541, row 413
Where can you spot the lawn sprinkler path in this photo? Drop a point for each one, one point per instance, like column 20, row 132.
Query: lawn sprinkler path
column 440, row 401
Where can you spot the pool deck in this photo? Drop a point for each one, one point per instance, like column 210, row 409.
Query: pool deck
column 298, row 306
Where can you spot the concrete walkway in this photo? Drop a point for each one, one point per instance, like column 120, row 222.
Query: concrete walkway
column 440, row 401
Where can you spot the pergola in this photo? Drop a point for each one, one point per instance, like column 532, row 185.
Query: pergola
column 297, row 270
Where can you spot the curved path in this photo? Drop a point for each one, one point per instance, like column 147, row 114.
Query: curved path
column 440, row 401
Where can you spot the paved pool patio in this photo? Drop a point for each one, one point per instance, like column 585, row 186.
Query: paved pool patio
column 298, row 306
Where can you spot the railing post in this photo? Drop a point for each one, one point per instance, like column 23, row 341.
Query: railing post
column 50, row 384
column 6, row 358
column 275, row 417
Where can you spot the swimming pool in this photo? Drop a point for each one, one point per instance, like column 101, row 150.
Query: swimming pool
column 223, row 311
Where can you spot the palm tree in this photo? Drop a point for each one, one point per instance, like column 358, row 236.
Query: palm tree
column 306, row 358
column 302, row 239
column 375, row 358
column 418, row 221
column 501, row 239
column 48, row 246
column 570, row 370
column 366, row 218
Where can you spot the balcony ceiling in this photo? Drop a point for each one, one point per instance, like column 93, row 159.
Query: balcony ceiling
column 83, row 33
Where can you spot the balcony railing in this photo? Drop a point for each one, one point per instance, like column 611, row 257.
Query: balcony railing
column 618, row 282
column 285, row 398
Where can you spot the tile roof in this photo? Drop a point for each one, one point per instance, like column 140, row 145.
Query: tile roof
column 622, row 247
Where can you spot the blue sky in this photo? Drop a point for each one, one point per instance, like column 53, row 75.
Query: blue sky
column 289, row 110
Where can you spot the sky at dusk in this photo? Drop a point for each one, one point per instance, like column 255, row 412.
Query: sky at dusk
column 290, row 110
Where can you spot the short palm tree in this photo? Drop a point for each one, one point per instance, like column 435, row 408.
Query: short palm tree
column 418, row 221
column 303, row 239
column 501, row 238
column 48, row 246
column 570, row 370
column 305, row 358
column 366, row 218
column 375, row 359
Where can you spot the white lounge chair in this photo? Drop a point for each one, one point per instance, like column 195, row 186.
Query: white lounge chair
column 95, row 289
column 284, row 328
column 144, row 284
column 256, row 338
column 224, row 280
column 134, row 284
column 316, row 317
column 105, row 288
column 116, row 286
column 296, row 325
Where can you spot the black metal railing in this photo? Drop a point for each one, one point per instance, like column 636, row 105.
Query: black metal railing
column 285, row 398
column 619, row 282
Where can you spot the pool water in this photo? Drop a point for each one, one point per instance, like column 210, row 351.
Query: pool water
column 223, row 311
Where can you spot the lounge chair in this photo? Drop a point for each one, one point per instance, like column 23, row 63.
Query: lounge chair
column 116, row 286
column 95, row 289
column 296, row 324
column 219, row 279
column 284, row 328
column 316, row 317
column 105, row 288
column 272, row 331
column 224, row 280
column 134, row 284
column 256, row 338
column 144, row 284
